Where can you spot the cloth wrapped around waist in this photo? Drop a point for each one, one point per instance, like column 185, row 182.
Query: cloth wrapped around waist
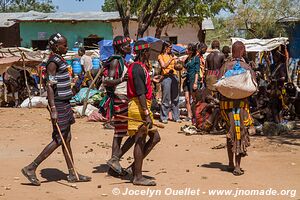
column 135, row 111
column 211, row 78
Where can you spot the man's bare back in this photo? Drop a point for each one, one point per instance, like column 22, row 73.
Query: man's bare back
column 215, row 60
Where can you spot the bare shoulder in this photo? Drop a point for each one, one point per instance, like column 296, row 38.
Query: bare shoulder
column 246, row 66
column 51, row 67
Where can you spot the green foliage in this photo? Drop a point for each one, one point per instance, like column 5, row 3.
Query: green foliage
column 26, row 5
column 259, row 17
column 109, row 6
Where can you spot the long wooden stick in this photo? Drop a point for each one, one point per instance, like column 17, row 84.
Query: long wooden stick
column 65, row 146
column 139, row 120
column 85, row 100
column 25, row 75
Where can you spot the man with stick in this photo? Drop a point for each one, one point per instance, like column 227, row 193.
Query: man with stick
column 58, row 85
column 140, row 94
column 116, row 102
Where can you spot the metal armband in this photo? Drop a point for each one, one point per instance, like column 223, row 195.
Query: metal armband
column 109, row 78
column 51, row 80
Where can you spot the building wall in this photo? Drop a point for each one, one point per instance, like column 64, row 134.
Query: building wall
column 10, row 36
column 185, row 35
column 72, row 31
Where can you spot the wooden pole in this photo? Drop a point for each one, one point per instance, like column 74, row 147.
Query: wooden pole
column 40, row 77
column 138, row 120
column 88, row 91
column 25, row 75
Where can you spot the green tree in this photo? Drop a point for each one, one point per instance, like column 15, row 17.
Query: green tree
column 26, row 5
column 259, row 17
column 145, row 11
column 109, row 6
column 198, row 10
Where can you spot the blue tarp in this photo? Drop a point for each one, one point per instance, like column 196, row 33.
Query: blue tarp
column 106, row 47
column 178, row 49
column 107, row 50
column 150, row 39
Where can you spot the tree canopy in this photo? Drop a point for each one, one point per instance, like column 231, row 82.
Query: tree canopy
column 26, row 5
column 160, row 13
column 259, row 18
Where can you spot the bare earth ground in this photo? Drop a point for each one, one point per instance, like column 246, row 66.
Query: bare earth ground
column 178, row 162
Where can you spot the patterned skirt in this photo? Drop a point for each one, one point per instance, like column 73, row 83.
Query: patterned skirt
column 238, row 119
column 120, row 108
column 65, row 119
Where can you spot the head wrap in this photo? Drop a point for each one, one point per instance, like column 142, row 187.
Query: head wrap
column 121, row 41
column 138, row 46
column 55, row 38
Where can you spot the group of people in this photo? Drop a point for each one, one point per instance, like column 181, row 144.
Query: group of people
column 129, row 95
column 128, row 98
column 202, row 74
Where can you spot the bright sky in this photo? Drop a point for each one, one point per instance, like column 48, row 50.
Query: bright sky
column 77, row 6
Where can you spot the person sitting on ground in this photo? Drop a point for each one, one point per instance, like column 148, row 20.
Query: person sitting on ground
column 59, row 93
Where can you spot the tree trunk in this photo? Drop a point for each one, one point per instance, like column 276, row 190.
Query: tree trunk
column 201, row 33
column 125, row 25
column 158, row 31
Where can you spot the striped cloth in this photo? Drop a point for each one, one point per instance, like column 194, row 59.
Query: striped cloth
column 134, row 111
column 63, row 87
column 120, row 108
column 238, row 119
column 65, row 119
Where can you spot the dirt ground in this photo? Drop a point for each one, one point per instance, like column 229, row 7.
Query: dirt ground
column 179, row 162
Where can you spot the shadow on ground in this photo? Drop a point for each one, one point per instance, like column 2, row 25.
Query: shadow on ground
column 52, row 175
column 216, row 165
column 289, row 139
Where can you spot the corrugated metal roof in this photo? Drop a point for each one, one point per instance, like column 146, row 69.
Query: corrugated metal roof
column 68, row 16
column 5, row 16
column 8, row 19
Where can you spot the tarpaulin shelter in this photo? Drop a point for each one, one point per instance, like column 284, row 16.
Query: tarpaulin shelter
column 265, row 45
column 260, row 45
column 13, row 56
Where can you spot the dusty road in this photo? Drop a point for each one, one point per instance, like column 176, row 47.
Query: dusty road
column 179, row 162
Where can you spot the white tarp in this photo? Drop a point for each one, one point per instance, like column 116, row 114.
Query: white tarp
column 259, row 45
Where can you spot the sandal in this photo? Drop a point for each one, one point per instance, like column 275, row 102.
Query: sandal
column 73, row 179
column 31, row 177
column 114, row 164
column 144, row 182
column 230, row 169
column 238, row 172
